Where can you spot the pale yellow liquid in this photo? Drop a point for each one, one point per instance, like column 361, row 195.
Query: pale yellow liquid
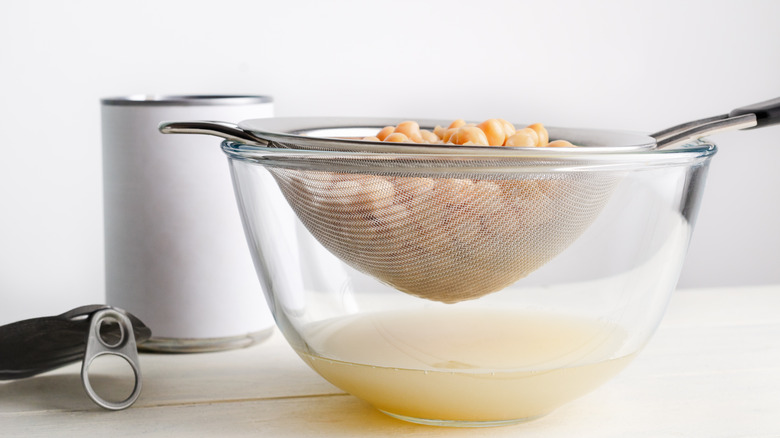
column 466, row 365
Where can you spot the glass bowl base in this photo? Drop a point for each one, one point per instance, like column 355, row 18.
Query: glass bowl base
column 461, row 423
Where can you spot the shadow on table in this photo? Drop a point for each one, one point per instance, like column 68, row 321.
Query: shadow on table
column 345, row 415
column 57, row 392
column 40, row 398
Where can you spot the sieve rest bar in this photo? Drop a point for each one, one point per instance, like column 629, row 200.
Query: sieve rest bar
column 704, row 127
column 225, row 130
column 665, row 134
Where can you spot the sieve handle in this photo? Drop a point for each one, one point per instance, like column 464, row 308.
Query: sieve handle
column 767, row 112
column 751, row 116
column 228, row 131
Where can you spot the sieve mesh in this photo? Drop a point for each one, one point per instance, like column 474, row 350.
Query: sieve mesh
column 445, row 237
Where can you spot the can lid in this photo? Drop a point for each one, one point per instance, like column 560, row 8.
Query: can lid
column 185, row 100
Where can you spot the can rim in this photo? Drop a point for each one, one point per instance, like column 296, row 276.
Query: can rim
column 185, row 100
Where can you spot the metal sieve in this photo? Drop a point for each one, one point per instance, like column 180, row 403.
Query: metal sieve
column 449, row 223
column 448, row 237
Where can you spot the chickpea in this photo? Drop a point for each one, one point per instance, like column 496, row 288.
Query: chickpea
column 487, row 197
column 397, row 137
column 469, row 134
column 361, row 196
column 345, row 198
column 408, row 128
column 412, row 190
column 448, row 134
column 494, row 131
column 449, row 188
column 377, row 193
column 560, row 144
column 387, row 130
column 428, row 136
column 439, row 131
column 525, row 137
column 544, row 137
column 371, row 139
column 389, row 231
column 509, row 129
column 457, row 123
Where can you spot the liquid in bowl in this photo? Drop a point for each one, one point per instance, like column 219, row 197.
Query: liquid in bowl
column 467, row 366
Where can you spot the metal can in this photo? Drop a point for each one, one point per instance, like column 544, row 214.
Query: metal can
column 175, row 250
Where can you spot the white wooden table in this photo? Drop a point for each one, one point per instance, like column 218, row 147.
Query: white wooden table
column 712, row 370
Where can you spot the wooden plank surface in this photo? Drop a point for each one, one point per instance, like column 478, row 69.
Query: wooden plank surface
column 711, row 370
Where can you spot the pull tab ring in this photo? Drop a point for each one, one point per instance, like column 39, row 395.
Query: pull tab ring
column 125, row 348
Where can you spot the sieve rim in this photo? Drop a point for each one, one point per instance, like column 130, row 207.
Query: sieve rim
column 345, row 133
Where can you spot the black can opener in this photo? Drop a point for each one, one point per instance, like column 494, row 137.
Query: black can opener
column 37, row 345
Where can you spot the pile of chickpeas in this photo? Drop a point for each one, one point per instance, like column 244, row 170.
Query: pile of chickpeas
column 491, row 132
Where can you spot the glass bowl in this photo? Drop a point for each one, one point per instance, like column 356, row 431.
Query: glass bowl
column 507, row 356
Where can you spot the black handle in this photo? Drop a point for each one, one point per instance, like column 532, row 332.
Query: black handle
column 36, row 345
column 767, row 112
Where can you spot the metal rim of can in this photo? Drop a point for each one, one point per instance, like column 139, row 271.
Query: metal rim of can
column 186, row 100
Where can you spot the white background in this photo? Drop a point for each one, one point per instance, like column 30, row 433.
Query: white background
column 639, row 66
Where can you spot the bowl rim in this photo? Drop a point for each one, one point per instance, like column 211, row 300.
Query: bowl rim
column 467, row 165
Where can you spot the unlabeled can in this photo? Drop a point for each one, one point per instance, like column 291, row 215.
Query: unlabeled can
column 175, row 251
